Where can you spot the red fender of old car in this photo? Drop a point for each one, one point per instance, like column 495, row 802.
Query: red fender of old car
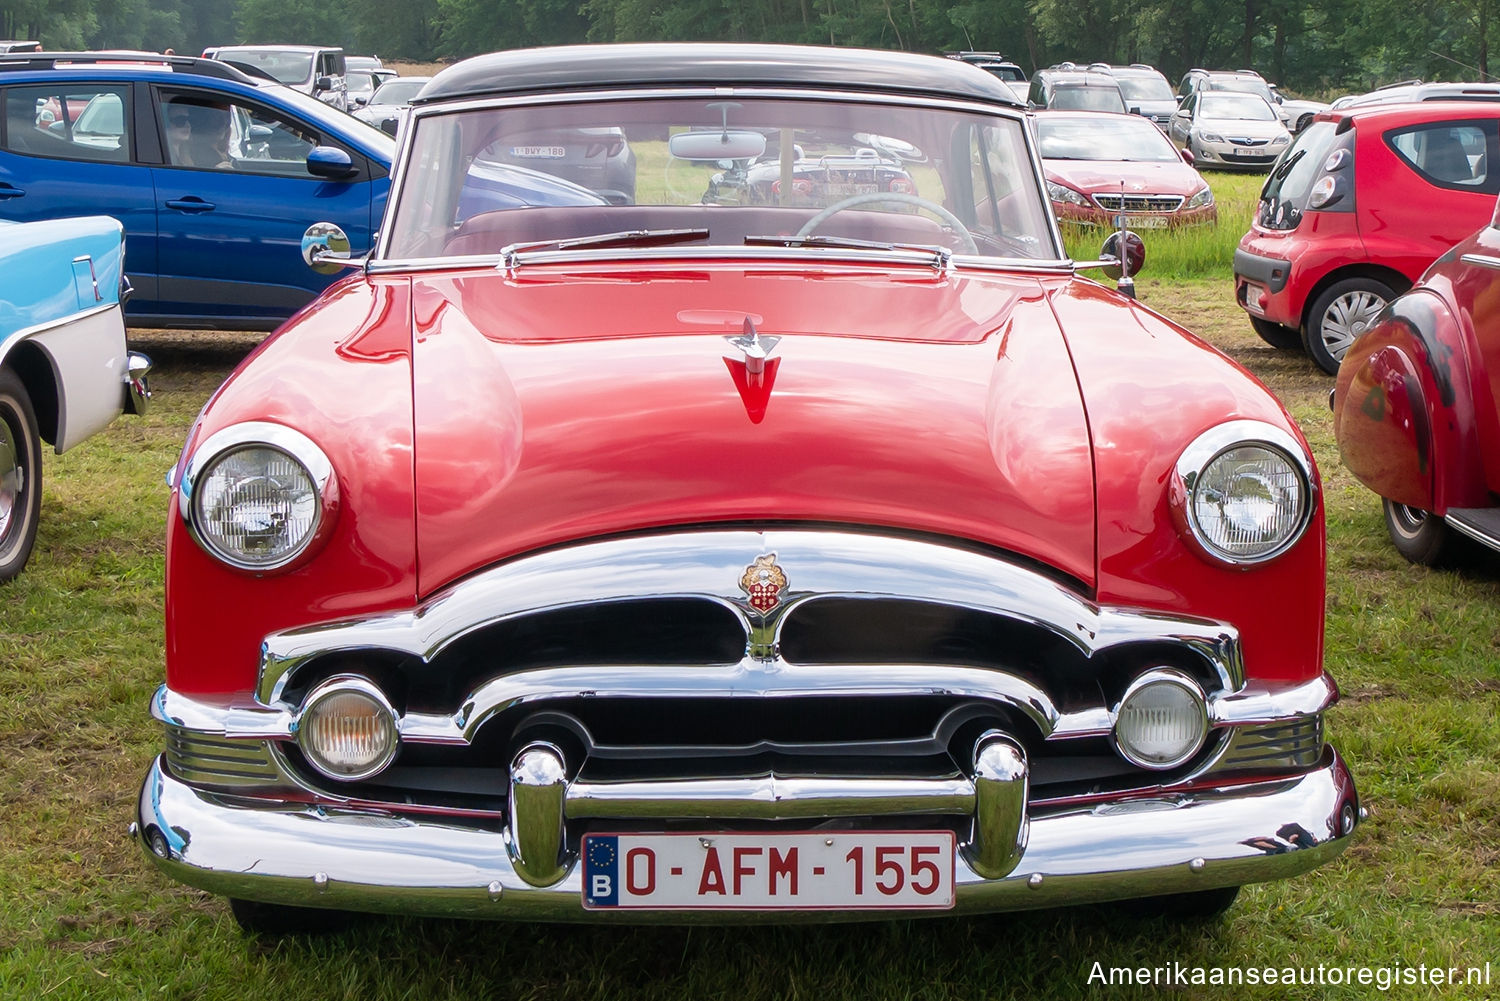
column 540, row 421
column 1414, row 405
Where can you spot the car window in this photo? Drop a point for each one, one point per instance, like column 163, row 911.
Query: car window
column 1144, row 88
column 1237, row 107
column 1103, row 138
column 211, row 133
column 1086, row 98
column 1456, row 155
column 282, row 65
column 72, row 122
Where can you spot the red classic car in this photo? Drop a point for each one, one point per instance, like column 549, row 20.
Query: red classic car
column 679, row 562
column 1356, row 209
column 1415, row 407
column 1101, row 166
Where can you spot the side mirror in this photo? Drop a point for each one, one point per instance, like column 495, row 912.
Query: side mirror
column 322, row 83
column 325, row 248
column 1126, row 264
column 388, row 126
column 330, row 163
column 1135, row 110
column 1188, row 157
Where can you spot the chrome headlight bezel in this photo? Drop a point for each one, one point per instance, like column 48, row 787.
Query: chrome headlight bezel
column 1162, row 676
column 1208, row 448
column 348, row 684
column 294, row 445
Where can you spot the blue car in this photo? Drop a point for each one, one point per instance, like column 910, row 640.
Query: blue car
column 216, row 176
column 65, row 372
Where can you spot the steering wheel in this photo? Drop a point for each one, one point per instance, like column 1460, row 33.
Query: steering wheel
column 966, row 239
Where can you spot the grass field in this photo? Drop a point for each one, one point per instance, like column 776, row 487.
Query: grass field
column 85, row 916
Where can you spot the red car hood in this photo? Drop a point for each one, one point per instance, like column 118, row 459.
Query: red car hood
column 1167, row 177
column 555, row 405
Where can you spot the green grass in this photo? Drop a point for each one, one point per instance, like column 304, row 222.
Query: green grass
column 85, row 916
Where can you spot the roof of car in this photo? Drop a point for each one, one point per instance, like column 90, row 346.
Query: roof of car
column 283, row 48
column 114, row 61
column 613, row 67
column 1413, row 111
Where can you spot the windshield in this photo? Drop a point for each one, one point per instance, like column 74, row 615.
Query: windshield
column 748, row 170
column 397, row 92
column 281, row 65
column 1145, row 88
column 1087, row 99
column 1104, row 137
column 1238, row 107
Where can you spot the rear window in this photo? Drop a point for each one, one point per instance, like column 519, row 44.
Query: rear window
column 1452, row 155
column 1087, row 99
column 1284, row 195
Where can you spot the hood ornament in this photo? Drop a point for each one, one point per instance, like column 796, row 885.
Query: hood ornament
column 756, row 350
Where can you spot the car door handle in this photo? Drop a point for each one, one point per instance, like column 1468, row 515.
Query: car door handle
column 6, row 191
column 189, row 204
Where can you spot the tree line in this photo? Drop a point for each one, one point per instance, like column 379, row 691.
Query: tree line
column 1335, row 46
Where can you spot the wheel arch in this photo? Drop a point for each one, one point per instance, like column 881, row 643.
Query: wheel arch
column 34, row 368
column 1399, row 282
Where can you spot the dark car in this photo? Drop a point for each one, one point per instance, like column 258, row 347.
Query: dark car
column 213, row 173
column 1071, row 88
column 1415, row 410
column 384, row 107
column 847, row 557
column 1147, row 93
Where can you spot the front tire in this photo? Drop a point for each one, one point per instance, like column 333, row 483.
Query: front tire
column 1421, row 536
column 1274, row 334
column 1340, row 315
column 20, row 476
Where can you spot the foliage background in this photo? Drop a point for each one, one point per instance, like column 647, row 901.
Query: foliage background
column 1331, row 47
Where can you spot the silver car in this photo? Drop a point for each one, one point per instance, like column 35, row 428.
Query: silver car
column 1229, row 130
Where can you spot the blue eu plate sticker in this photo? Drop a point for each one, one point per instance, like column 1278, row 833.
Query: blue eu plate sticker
column 601, row 864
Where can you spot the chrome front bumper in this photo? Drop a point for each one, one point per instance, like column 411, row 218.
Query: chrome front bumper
column 323, row 856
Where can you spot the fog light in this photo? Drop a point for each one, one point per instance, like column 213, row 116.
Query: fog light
column 1162, row 721
column 347, row 730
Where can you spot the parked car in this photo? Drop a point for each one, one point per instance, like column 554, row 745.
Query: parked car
column 992, row 62
column 713, row 562
column 1363, row 202
column 1102, row 166
column 1067, row 87
column 819, row 177
column 390, row 98
column 11, row 45
column 1146, row 92
column 1415, row 409
column 65, row 370
column 361, row 86
column 1229, row 131
column 1416, row 90
column 597, row 157
column 1296, row 114
column 316, row 70
column 206, row 232
column 1242, row 81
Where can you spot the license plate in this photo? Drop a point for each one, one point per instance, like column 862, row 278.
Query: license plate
column 847, row 870
column 539, row 152
column 843, row 189
column 1146, row 221
column 1253, row 293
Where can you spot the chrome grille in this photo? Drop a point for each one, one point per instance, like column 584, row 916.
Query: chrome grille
column 1139, row 203
column 1275, row 746
column 218, row 761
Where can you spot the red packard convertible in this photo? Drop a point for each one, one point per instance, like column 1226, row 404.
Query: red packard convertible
column 672, row 561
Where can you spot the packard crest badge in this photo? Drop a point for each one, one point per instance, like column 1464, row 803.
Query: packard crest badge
column 764, row 582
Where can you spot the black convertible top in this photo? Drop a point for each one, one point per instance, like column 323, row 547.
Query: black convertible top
column 676, row 64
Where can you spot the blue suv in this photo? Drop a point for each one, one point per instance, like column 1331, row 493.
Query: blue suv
column 215, row 175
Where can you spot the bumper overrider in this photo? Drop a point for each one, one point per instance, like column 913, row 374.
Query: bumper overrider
column 233, row 807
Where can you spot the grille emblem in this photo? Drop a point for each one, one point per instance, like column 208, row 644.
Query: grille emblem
column 764, row 581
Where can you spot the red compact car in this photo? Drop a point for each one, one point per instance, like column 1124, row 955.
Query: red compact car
column 1102, row 166
column 1355, row 210
column 672, row 561
column 1415, row 409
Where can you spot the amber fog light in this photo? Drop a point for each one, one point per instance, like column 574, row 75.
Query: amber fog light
column 1162, row 721
column 347, row 730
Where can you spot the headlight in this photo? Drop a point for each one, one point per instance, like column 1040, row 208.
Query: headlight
column 1063, row 193
column 347, row 729
column 257, row 496
column 1243, row 492
column 1281, row 140
column 1201, row 198
column 1210, row 137
column 1162, row 721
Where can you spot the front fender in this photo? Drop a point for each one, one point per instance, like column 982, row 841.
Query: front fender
column 1404, row 408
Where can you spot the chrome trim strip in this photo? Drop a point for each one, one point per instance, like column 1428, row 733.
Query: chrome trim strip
column 707, row 565
column 768, row 797
column 1468, row 528
column 16, row 337
column 321, row 856
column 729, row 255
column 1483, row 260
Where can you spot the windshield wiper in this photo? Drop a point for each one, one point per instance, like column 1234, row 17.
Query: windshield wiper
column 1286, row 168
column 942, row 254
column 624, row 238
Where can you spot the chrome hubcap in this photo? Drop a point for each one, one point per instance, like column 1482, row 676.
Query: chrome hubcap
column 12, row 479
column 1347, row 317
column 1408, row 520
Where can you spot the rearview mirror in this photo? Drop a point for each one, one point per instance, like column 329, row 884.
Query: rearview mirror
column 716, row 145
